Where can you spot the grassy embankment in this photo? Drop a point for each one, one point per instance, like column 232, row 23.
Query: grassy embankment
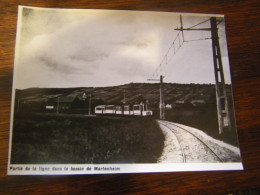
column 205, row 119
column 43, row 139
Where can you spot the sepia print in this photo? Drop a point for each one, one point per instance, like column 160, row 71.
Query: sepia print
column 105, row 91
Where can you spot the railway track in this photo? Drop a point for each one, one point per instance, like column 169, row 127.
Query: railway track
column 192, row 148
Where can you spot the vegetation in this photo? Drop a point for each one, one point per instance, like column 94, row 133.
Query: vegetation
column 44, row 139
column 203, row 118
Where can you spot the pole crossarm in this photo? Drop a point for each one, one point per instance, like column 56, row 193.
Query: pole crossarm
column 161, row 77
column 181, row 29
column 198, row 40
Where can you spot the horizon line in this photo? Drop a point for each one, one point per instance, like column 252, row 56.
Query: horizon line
column 118, row 85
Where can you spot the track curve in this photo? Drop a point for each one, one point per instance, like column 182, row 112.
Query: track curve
column 192, row 147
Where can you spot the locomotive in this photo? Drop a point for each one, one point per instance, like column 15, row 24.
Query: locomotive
column 136, row 109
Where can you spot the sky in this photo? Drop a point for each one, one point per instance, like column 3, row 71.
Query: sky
column 97, row 48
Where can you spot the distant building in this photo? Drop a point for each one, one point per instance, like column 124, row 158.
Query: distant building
column 180, row 102
column 198, row 102
column 183, row 103
column 30, row 104
column 168, row 106
column 69, row 103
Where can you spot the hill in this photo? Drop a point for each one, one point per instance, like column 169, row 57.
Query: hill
column 131, row 93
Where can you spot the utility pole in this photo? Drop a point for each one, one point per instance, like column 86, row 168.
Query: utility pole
column 89, row 106
column 18, row 105
column 124, row 101
column 124, row 98
column 162, row 113
column 58, row 105
column 222, row 101
column 161, row 104
column 221, row 96
column 84, row 97
column 182, row 29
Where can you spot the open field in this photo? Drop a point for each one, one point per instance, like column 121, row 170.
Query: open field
column 64, row 140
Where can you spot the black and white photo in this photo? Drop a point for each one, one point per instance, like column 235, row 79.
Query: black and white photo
column 110, row 91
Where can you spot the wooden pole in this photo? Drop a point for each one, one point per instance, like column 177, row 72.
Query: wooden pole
column 18, row 105
column 162, row 115
column 58, row 105
column 89, row 106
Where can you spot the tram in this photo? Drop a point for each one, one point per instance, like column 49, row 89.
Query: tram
column 136, row 109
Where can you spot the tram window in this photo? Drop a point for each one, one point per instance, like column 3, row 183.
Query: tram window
column 109, row 107
column 126, row 108
column 136, row 107
column 118, row 108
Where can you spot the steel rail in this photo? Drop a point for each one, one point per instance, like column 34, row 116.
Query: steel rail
column 196, row 137
column 182, row 150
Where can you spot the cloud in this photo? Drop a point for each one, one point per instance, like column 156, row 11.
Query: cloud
column 67, row 50
column 99, row 48
column 87, row 47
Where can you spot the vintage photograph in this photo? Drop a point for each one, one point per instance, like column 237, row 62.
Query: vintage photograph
column 109, row 91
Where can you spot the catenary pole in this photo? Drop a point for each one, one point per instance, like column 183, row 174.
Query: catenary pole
column 221, row 95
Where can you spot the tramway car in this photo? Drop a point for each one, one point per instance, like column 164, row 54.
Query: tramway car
column 136, row 109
